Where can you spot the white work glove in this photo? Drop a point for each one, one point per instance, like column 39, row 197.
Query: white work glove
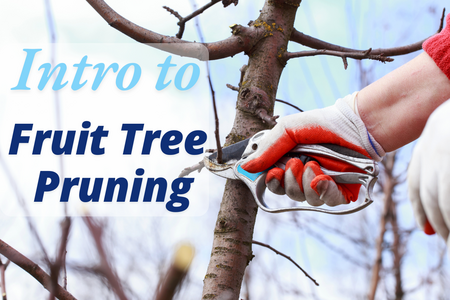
column 337, row 124
column 429, row 174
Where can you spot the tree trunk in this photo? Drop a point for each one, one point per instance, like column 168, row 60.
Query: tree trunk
column 232, row 246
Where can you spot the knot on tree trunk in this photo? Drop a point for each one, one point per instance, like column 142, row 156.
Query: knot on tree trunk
column 248, row 36
column 252, row 99
column 255, row 101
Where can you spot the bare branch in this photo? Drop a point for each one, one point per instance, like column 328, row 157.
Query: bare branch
column 217, row 50
column 232, row 87
column 216, row 118
column 315, row 43
column 287, row 257
column 243, row 69
column 183, row 21
column 174, row 277
column 60, row 260
column 34, row 270
column 388, row 189
column 213, row 96
column 175, row 13
column 96, row 230
column 290, row 104
column 24, row 206
column 235, row 88
column 3, row 279
column 344, row 55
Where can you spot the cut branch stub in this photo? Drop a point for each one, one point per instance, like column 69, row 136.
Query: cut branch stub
column 228, row 2
column 252, row 99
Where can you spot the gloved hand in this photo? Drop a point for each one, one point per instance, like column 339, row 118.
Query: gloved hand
column 337, row 124
column 429, row 174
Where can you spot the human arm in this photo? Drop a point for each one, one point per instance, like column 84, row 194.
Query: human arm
column 393, row 112
column 396, row 107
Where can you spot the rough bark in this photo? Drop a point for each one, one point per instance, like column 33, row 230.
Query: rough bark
column 232, row 246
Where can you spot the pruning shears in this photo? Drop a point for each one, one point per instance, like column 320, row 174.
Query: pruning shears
column 234, row 155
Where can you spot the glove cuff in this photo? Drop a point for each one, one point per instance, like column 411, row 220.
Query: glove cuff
column 437, row 47
column 345, row 105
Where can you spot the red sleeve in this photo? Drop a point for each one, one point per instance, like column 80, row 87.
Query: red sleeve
column 438, row 48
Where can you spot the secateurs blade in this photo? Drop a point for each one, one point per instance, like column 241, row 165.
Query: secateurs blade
column 234, row 155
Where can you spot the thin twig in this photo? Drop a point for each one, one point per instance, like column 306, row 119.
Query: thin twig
column 344, row 55
column 290, row 104
column 235, row 88
column 34, row 270
column 60, row 261
column 213, row 94
column 216, row 117
column 288, row 258
column 3, row 279
column 183, row 21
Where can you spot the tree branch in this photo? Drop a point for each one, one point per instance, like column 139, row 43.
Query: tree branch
column 315, row 43
column 213, row 93
column 344, row 55
column 34, row 270
column 388, row 189
column 3, row 267
column 105, row 267
column 183, row 21
column 174, row 277
column 290, row 104
column 288, row 258
column 59, row 263
column 217, row 50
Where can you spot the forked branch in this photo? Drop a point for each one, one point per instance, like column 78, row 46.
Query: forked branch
column 34, row 270
column 217, row 50
column 183, row 21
